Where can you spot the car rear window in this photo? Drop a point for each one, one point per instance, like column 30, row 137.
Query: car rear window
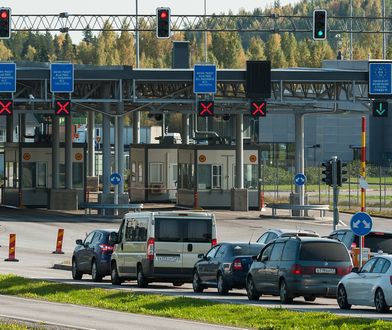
column 243, row 250
column 198, row 230
column 324, row 251
column 379, row 241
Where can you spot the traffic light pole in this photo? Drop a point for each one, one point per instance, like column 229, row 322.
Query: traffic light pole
column 335, row 191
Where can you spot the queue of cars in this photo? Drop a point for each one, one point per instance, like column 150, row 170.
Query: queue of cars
column 180, row 247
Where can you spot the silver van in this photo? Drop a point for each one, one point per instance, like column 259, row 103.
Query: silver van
column 160, row 246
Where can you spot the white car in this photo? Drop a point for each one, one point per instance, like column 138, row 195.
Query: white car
column 369, row 286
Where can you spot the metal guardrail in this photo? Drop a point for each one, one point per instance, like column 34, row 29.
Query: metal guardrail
column 293, row 207
column 99, row 206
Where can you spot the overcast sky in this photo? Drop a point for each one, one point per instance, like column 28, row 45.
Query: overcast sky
column 180, row 7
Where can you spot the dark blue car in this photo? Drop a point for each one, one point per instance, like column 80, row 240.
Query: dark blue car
column 92, row 256
column 224, row 266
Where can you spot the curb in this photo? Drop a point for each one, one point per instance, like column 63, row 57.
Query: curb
column 62, row 267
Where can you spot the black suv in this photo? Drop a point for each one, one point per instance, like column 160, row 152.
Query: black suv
column 298, row 266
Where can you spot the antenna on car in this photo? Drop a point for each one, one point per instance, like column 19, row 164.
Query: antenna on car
column 251, row 236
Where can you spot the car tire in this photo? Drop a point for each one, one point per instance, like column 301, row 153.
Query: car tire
column 116, row 279
column 76, row 274
column 284, row 294
column 342, row 298
column 140, row 278
column 379, row 302
column 310, row 298
column 178, row 283
column 196, row 283
column 95, row 274
column 222, row 286
column 251, row 291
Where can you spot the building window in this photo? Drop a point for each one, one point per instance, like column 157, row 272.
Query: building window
column 133, row 172
column 140, row 172
column 204, row 177
column 2, row 136
column 29, row 175
column 77, row 175
column 156, row 172
column 41, row 174
column 216, row 176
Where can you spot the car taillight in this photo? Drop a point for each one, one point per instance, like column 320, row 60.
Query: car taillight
column 150, row 249
column 343, row 270
column 296, row 270
column 214, row 242
column 237, row 265
column 106, row 248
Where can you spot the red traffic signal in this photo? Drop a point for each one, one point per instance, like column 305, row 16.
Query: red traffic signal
column 206, row 109
column 5, row 23
column 62, row 107
column 163, row 22
column 258, row 108
column 6, row 107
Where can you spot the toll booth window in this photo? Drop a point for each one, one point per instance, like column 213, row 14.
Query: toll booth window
column 62, row 175
column 250, row 176
column 77, row 175
column 216, row 176
column 140, row 172
column 41, row 174
column 156, row 172
column 29, row 175
column 11, row 174
column 186, row 175
column 2, row 135
column 204, row 177
column 133, row 172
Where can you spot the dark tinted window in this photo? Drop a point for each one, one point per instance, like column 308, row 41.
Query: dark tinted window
column 386, row 266
column 290, row 250
column 378, row 242
column 168, row 230
column 267, row 251
column 246, row 249
column 379, row 265
column 198, row 230
column 276, row 252
column 323, row 251
column 97, row 237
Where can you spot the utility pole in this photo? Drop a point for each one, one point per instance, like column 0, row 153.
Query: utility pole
column 335, row 187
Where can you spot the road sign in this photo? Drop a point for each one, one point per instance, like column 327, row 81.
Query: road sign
column 300, row 179
column 380, row 79
column 7, row 77
column 61, row 77
column 206, row 109
column 115, row 178
column 204, row 79
column 380, row 108
column 258, row 108
column 6, row 107
column 361, row 223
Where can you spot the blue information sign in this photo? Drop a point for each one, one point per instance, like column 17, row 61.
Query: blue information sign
column 115, row 178
column 204, row 79
column 300, row 179
column 61, row 77
column 361, row 223
column 7, row 77
column 380, row 79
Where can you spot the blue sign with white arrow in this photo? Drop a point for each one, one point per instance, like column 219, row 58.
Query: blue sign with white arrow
column 361, row 223
column 115, row 178
column 300, row 179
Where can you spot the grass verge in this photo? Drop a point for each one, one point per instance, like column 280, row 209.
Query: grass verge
column 181, row 307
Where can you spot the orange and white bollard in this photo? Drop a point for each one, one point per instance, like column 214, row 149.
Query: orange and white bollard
column 262, row 204
column 59, row 242
column 11, row 249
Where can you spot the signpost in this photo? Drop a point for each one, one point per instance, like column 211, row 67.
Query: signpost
column 204, row 79
column 61, row 77
column 8, row 77
column 361, row 224
column 300, row 179
column 380, row 79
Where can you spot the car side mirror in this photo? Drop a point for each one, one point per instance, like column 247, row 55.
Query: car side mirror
column 355, row 270
column 113, row 238
column 79, row 242
column 254, row 258
column 200, row 255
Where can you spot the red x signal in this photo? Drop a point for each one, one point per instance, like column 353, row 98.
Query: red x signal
column 206, row 108
column 63, row 108
column 6, row 107
column 258, row 108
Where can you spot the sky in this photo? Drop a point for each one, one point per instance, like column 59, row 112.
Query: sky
column 180, row 7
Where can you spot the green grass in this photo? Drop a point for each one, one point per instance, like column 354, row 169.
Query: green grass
column 183, row 308
column 12, row 326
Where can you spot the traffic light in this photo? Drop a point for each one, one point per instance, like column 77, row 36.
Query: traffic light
column 5, row 23
column 341, row 169
column 327, row 171
column 319, row 24
column 205, row 109
column 258, row 108
column 163, row 22
column 6, row 107
column 380, row 108
column 62, row 107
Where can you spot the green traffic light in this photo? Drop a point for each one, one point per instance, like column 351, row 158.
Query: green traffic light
column 320, row 33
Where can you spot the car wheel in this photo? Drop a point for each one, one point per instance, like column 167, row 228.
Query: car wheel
column 379, row 302
column 178, row 283
column 342, row 298
column 141, row 279
column 96, row 276
column 251, row 291
column 196, row 282
column 285, row 297
column 223, row 288
column 116, row 279
column 76, row 274
column 310, row 298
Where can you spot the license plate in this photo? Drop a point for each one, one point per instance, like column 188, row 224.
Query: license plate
column 325, row 271
column 168, row 258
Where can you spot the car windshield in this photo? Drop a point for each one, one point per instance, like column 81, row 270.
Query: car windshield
column 379, row 241
column 324, row 251
column 242, row 250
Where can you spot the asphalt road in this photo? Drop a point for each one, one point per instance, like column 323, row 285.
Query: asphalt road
column 36, row 237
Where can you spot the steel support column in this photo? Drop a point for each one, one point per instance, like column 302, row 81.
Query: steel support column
column 91, row 143
column 120, row 147
column 10, row 129
column 185, row 128
column 299, row 156
column 239, row 152
column 55, row 152
column 106, row 149
column 68, row 152
column 136, row 127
